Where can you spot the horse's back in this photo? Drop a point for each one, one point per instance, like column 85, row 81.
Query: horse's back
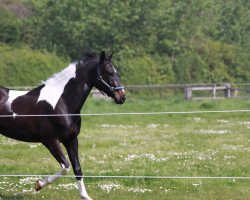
column 10, row 125
column 14, row 104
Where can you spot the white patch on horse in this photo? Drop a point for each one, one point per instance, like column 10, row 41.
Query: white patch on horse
column 82, row 190
column 14, row 94
column 114, row 69
column 54, row 86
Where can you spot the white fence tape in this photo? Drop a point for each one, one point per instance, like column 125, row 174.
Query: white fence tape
column 130, row 113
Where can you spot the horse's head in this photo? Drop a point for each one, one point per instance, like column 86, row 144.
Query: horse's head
column 107, row 79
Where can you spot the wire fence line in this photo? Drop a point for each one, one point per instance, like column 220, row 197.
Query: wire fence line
column 131, row 177
column 131, row 113
column 126, row 113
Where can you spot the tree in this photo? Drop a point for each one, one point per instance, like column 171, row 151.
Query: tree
column 9, row 27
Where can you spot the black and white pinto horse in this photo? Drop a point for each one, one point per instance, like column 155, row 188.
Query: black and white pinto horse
column 63, row 93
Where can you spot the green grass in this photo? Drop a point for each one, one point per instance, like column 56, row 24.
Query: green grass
column 215, row 145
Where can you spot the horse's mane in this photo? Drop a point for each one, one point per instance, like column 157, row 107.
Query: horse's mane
column 60, row 76
column 88, row 56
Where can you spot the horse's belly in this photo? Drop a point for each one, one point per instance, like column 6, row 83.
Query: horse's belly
column 18, row 133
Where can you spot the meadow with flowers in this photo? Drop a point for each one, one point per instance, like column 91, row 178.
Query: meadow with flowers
column 178, row 149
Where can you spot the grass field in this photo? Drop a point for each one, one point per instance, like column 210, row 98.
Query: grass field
column 181, row 145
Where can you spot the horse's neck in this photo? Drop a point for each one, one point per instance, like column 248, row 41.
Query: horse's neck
column 77, row 90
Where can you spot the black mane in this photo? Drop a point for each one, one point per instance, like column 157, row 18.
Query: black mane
column 88, row 56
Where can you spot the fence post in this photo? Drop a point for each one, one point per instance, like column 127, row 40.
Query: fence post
column 227, row 90
column 214, row 91
column 188, row 93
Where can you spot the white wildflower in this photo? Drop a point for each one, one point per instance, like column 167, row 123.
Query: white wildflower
column 153, row 126
column 109, row 187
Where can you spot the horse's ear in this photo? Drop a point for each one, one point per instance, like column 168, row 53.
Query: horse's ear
column 102, row 57
column 110, row 56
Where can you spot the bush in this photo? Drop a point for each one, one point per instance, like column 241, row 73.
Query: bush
column 9, row 27
column 25, row 67
column 138, row 67
column 208, row 61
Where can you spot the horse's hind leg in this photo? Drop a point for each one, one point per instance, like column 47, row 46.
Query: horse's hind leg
column 55, row 149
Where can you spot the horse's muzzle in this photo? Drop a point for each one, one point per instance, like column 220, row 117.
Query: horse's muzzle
column 120, row 96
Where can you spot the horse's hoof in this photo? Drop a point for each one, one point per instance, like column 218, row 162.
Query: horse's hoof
column 38, row 185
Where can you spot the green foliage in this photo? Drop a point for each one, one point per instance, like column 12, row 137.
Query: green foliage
column 157, row 42
column 213, row 61
column 23, row 66
column 144, row 68
column 9, row 27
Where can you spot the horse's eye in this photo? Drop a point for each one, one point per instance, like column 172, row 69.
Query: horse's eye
column 110, row 69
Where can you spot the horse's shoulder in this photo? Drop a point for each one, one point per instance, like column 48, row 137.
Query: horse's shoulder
column 36, row 90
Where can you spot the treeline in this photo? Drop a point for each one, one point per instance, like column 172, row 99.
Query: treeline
column 156, row 42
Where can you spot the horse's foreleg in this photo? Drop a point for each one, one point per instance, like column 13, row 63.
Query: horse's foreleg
column 83, row 193
column 72, row 149
column 55, row 149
